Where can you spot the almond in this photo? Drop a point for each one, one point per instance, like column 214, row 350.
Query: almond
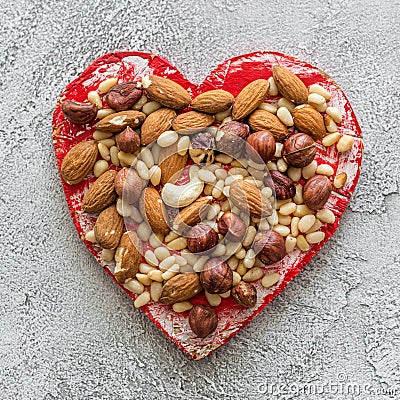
column 108, row 228
column 101, row 194
column 171, row 164
column 127, row 257
column 192, row 214
column 119, row 121
column 247, row 197
column 191, row 122
column 250, row 98
column 213, row 101
column 289, row 85
column 168, row 93
column 78, row 162
column 261, row 120
column 308, row 120
column 156, row 123
column 180, row 288
column 153, row 209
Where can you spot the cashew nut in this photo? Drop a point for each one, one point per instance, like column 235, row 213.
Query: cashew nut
column 181, row 196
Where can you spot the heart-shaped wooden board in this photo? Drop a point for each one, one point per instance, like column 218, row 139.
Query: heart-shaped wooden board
column 232, row 75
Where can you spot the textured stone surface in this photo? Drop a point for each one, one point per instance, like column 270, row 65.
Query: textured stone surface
column 67, row 332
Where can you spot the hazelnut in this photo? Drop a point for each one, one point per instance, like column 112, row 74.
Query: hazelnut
column 299, row 150
column 232, row 226
column 231, row 137
column 201, row 238
column 245, row 294
column 202, row 148
column 269, row 247
column 217, row 276
column 284, row 187
column 128, row 140
column 79, row 113
column 123, row 96
column 261, row 144
column 203, row 320
column 316, row 191
column 128, row 185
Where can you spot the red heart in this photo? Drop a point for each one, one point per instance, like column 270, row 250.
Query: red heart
column 232, row 75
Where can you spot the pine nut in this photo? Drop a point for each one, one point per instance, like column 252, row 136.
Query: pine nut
column 140, row 103
column 315, row 98
column 171, row 236
column 326, row 216
column 155, row 175
column 178, row 244
column 325, row 169
column 208, row 190
column 241, row 269
column 156, row 290
column 206, row 176
column 284, row 219
column 183, row 145
column 151, row 258
column 320, row 107
column 283, row 102
column 249, row 259
column 225, row 295
column 273, row 89
column 315, row 237
column 225, row 191
column 316, row 227
column 94, row 98
column 167, row 138
column 199, row 264
column 340, row 180
column 280, row 203
column 220, row 173
column 294, row 174
column 182, row 306
column 270, row 279
column 315, row 88
column 108, row 142
column 294, row 226
column 335, row 114
column 217, row 190
column 146, row 268
column 233, row 262
column 100, row 135
column 155, row 151
column 240, row 254
column 236, row 278
column 278, row 150
column 127, row 158
column 290, row 243
column 271, row 108
column 91, row 237
column 219, row 250
column 189, row 257
column 306, row 223
column 213, row 299
column 142, row 300
column 123, row 208
column 108, row 254
column 253, row 274
column 104, row 151
column 100, row 167
column 144, row 279
column 302, row 243
column 249, row 237
column 272, row 166
column 263, row 225
column 143, row 231
column 284, row 115
column 225, row 206
column 142, row 170
column 331, row 139
column 105, row 112
column 147, row 157
column 345, row 143
column 134, row 286
column 273, row 219
column 282, row 230
column 330, row 124
column 150, row 107
column 162, row 253
column 219, row 117
column 167, row 262
column 302, row 210
column 226, row 120
column 171, row 272
column 288, row 208
column 298, row 197
column 282, row 166
column 232, row 248
column 136, row 215
column 155, row 275
column 186, row 269
column 106, row 85
column 114, row 155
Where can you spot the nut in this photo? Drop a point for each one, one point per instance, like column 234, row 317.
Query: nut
column 316, row 192
column 128, row 140
column 171, row 164
column 283, row 185
column 128, row 185
column 155, row 124
column 299, row 150
column 203, row 320
column 202, row 148
column 180, row 288
column 289, row 85
column 213, row 101
column 79, row 113
column 232, row 226
column 250, row 97
column 307, row 119
column 79, row 161
column 217, row 276
column 261, row 120
column 269, row 247
column 117, row 122
column 231, row 137
column 245, row 294
column 261, row 144
column 201, row 238
column 101, row 194
column 108, row 228
column 191, row 122
column 123, row 96
column 153, row 210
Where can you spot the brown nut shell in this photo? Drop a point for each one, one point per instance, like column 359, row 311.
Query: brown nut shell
column 217, row 276
column 201, row 238
column 316, row 192
column 299, row 150
column 261, row 144
column 79, row 113
column 128, row 185
column 245, row 294
column 269, row 247
column 203, row 320
column 232, row 227
column 284, row 187
column 123, row 96
column 231, row 137
column 128, row 140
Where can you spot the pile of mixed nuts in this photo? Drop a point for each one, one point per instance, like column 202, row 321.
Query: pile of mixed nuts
column 206, row 198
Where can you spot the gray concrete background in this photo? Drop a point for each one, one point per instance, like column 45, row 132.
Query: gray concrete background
column 67, row 332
